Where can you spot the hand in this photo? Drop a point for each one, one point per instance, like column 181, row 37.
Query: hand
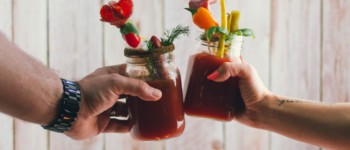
column 212, row 1
column 100, row 91
column 251, row 87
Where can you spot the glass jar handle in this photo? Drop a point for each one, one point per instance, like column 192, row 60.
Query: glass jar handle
column 119, row 110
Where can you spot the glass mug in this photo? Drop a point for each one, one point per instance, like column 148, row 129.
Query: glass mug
column 160, row 119
column 209, row 99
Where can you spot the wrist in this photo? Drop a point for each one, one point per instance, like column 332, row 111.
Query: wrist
column 68, row 108
column 52, row 102
column 258, row 114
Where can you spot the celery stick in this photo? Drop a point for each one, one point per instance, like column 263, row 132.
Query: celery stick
column 223, row 14
column 221, row 47
column 235, row 16
column 229, row 22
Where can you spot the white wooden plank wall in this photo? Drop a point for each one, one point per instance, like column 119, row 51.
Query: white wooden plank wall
column 335, row 52
column 300, row 50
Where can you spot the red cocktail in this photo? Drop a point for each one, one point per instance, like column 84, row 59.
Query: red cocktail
column 161, row 119
column 206, row 98
column 158, row 119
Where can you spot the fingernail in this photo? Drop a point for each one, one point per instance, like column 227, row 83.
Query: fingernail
column 156, row 93
column 213, row 76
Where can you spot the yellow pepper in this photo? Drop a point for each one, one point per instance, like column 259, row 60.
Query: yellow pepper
column 202, row 18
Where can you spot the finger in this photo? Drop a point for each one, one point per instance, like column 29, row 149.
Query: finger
column 229, row 69
column 120, row 126
column 134, row 87
column 221, row 74
column 119, row 69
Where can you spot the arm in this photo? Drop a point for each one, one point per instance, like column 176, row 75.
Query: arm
column 311, row 122
column 30, row 91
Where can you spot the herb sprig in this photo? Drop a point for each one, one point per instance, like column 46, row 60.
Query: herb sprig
column 170, row 36
column 155, row 45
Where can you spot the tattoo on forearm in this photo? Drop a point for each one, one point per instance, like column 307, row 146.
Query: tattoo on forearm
column 283, row 101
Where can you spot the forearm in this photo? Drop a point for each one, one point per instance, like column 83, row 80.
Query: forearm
column 29, row 90
column 312, row 122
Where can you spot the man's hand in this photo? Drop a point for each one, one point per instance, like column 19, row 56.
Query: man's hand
column 100, row 91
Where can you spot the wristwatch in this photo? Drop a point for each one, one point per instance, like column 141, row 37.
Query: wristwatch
column 68, row 108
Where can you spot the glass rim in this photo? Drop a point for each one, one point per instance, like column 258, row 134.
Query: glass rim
column 140, row 53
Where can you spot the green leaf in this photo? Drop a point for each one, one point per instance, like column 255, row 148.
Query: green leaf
column 223, row 31
column 245, row 32
column 213, row 30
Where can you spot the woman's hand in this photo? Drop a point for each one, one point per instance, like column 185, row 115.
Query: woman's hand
column 251, row 87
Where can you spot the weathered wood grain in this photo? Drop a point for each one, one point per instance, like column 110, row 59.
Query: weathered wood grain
column 6, row 17
column 113, row 46
column 30, row 33
column 6, row 125
column 6, row 129
column 75, row 37
column 295, row 56
column 75, row 50
column 200, row 134
column 335, row 52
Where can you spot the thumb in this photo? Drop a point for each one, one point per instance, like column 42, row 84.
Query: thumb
column 137, row 88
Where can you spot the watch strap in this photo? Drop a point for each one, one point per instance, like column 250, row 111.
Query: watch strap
column 68, row 109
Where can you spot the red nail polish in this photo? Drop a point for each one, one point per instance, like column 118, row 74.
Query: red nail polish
column 213, row 76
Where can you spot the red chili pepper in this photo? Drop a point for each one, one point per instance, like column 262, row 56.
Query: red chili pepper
column 117, row 13
column 107, row 15
column 132, row 39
